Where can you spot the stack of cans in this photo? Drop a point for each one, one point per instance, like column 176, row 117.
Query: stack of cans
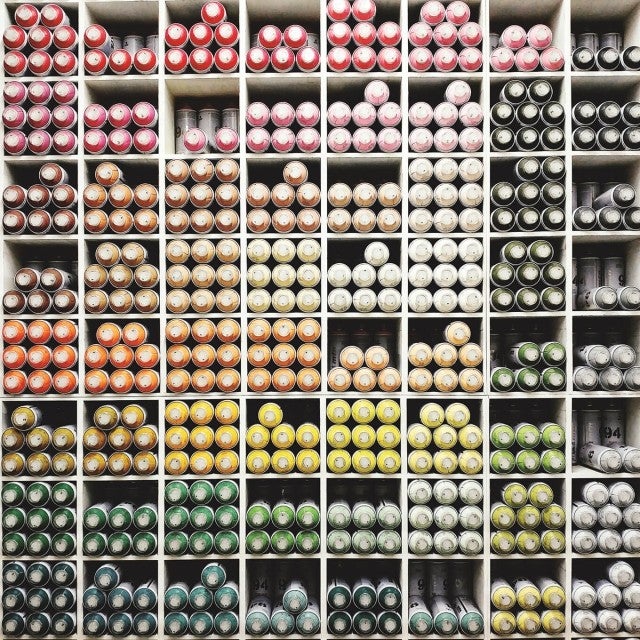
column 209, row 607
column 284, row 528
column 113, row 206
column 529, row 447
column 41, row 42
column 206, row 129
column 45, row 207
column 120, row 529
column 284, row 275
column 606, row 125
column 606, row 518
column 445, row 38
column 532, row 198
column 203, row 355
column 372, row 285
column 202, row 276
column 526, row 50
column 600, row 443
column 526, row 520
column 31, row 447
column 528, row 366
column 610, row 604
column 363, row 437
column 131, row 129
column 41, row 374
column 605, row 367
column 455, row 124
column 373, row 125
column 201, row 196
column 446, row 275
column 358, row 37
column 365, row 606
column 445, row 196
column 193, row 445
column 520, row 605
column 40, row 288
column 275, row 446
column 527, row 116
column 603, row 52
column 602, row 285
column 40, row 118
column 38, row 519
column 445, row 441
column 364, row 370
column 119, row 608
column 454, row 363
column 39, row 598
column 291, row 206
column 121, row 279
column 283, row 50
column 283, row 127
column 109, row 53
column 445, row 518
column 442, row 600
column 528, row 278
column 284, row 354
column 606, row 206
column 193, row 525
column 364, row 208
column 282, row 604
column 357, row 526
column 203, row 46
column 119, row 351
column 120, row 441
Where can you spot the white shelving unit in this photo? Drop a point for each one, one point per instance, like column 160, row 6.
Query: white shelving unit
column 241, row 87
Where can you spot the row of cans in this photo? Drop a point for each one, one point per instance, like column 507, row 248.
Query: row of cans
column 527, row 51
column 603, row 52
column 601, row 284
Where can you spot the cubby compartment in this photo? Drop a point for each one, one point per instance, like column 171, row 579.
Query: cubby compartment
column 548, row 12
column 109, row 339
column 450, row 586
column 612, row 606
column 364, row 437
column 30, row 449
column 593, row 176
column 446, row 356
column 363, row 196
column 364, row 601
column 444, row 116
column 445, row 518
column 605, row 518
column 528, row 276
column 620, row 18
column 609, row 423
column 201, row 598
column 277, row 126
column 283, row 595
column 364, row 276
column 120, row 439
column 120, row 198
column 528, row 438
column 283, row 519
column 364, row 518
column 528, row 195
column 538, row 587
column 283, row 438
column 120, row 520
column 196, row 94
column 445, row 438
column 283, row 198
column 110, row 592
